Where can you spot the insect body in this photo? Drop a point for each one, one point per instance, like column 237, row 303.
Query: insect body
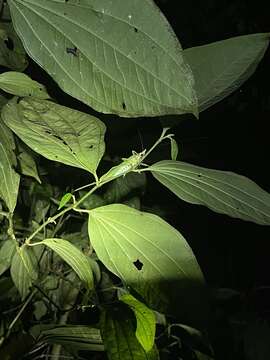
column 127, row 165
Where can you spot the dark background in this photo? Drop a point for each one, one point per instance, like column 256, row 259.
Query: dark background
column 232, row 135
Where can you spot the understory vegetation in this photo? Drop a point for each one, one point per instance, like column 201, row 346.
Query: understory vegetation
column 93, row 264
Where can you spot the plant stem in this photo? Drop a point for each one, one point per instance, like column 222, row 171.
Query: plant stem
column 98, row 185
column 159, row 140
column 19, row 313
column 61, row 213
column 11, row 228
column 72, row 297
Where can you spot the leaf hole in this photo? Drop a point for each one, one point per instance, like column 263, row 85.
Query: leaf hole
column 9, row 43
column 73, row 51
column 138, row 264
column 136, row 30
column 124, row 106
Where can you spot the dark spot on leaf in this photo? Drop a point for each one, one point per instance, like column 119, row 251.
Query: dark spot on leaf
column 199, row 175
column 73, row 51
column 91, row 147
column 135, row 29
column 124, row 106
column 9, row 43
column 138, row 264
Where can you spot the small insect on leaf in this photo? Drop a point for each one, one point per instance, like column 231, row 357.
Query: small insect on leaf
column 65, row 199
column 127, row 165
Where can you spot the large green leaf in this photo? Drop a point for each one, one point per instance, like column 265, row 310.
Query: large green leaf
column 74, row 257
column 24, row 269
column 7, row 251
column 57, row 132
column 79, row 337
column 20, row 84
column 221, row 67
column 12, row 53
column 146, row 321
column 27, row 163
column 222, row 191
column 9, row 179
column 108, row 54
column 119, row 338
column 148, row 254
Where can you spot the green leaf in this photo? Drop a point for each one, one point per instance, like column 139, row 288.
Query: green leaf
column 27, row 164
column 174, row 149
column 222, row 191
column 9, row 179
column 74, row 257
column 7, row 251
column 146, row 321
column 40, row 309
column 13, row 57
column 95, row 269
column 222, row 67
column 64, row 200
column 40, row 209
column 17, row 83
column 149, row 255
column 3, row 101
column 79, row 337
column 120, row 342
column 57, row 132
column 24, row 269
column 81, row 45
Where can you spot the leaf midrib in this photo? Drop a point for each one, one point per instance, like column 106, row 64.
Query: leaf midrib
column 102, row 70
